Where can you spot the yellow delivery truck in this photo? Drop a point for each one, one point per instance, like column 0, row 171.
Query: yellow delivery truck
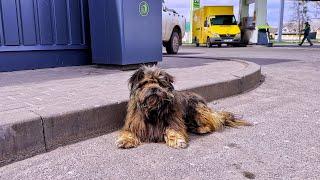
column 215, row 25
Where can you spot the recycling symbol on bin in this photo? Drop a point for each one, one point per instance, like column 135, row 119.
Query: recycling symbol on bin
column 144, row 8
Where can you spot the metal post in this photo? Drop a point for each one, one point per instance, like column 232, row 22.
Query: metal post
column 191, row 22
column 280, row 27
column 299, row 22
column 243, row 10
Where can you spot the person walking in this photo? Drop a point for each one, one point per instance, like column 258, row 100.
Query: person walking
column 306, row 34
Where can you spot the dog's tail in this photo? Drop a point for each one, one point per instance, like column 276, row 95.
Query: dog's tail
column 214, row 121
column 230, row 120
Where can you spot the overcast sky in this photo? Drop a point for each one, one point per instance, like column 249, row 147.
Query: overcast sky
column 183, row 6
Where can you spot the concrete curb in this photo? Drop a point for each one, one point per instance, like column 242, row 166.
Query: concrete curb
column 38, row 134
column 22, row 138
column 243, row 80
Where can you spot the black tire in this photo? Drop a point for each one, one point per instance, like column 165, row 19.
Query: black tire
column 219, row 45
column 196, row 42
column 236, row 45
column 209, row 44
column 173, row 45
column 164, row 44
column 243, row 44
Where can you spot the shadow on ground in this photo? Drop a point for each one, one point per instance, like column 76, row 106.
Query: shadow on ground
column 259, row 61
column 181, row 53
column 169, row 62
column 296, row 46
column 265, row 61
column 182, row 62
column 64, row 73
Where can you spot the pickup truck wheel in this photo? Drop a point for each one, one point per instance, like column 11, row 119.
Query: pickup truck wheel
column 173, row 45
column 209, row 44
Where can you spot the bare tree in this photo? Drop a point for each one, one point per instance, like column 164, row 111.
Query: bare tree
column 317, row 5
column 300, row 15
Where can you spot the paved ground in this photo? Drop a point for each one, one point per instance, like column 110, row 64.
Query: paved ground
column 284, row 143
column 43, row 109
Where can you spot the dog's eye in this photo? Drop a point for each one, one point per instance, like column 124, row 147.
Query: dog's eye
column 163, row 83
column 166, row 84
column 140, row 85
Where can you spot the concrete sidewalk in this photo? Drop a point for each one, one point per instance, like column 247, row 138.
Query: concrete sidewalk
column 43, row 109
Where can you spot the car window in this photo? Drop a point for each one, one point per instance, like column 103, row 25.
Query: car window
column 223, row 20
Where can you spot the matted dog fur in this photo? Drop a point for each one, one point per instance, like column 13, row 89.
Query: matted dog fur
column 158, row 113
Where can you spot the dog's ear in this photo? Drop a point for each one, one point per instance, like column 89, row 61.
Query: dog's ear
column 169, row 79
column 136, row 77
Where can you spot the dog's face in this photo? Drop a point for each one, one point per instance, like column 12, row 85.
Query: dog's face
column 152, row 90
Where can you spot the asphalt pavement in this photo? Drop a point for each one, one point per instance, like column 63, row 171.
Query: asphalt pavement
column 284, row 143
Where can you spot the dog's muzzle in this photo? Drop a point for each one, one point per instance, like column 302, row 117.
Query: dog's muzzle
column 155, row 99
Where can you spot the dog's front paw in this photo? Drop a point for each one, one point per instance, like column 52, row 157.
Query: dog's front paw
column 126, row 143
column 127, row 140
column 175, row 140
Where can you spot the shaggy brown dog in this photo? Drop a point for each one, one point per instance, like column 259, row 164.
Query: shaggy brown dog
column 158, row 113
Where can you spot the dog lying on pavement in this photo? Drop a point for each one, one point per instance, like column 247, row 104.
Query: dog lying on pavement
column 158, row 113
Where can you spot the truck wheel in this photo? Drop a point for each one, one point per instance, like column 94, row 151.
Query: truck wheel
column 219, row 45
column 236, row 45
column 196, row 42
column 209, row 44
column 243, row 44
column 173, row 45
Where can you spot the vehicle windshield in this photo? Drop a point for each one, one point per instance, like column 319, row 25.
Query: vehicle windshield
column 223, row 20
